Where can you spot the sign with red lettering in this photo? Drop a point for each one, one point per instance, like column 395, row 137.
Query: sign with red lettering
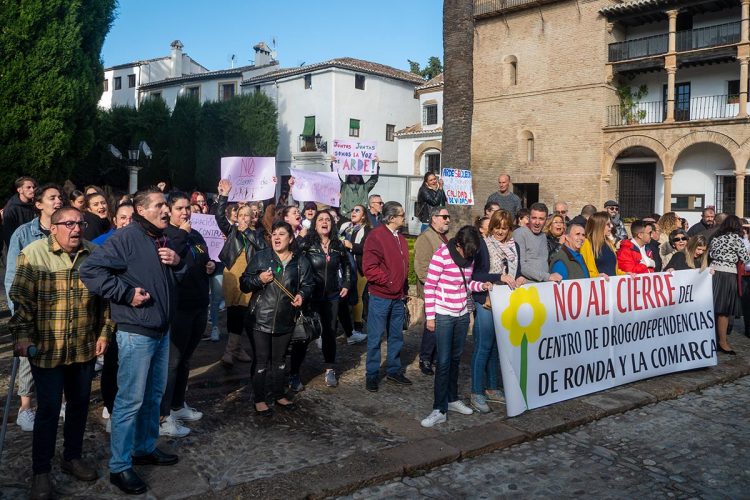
column 355, row 157
column 558, row 341
column 252, row 178
column 457, row 186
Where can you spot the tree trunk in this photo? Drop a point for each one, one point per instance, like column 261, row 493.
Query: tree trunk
column 458, row 93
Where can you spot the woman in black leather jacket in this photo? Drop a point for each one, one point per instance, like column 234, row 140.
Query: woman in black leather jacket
column 272, row 313
column 430, row 195
column 332, row 272
column 243, row 240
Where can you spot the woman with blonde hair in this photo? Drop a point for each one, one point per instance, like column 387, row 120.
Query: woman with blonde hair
column 598, row 249
column 554, row 228
column 693, row 256
column 667, row 223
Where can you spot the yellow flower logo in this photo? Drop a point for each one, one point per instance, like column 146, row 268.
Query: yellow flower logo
column 522, row 329
column 510, row 318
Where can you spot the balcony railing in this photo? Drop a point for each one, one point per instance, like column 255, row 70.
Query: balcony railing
column 710, row 36
column 640, row 47
column 698, row 108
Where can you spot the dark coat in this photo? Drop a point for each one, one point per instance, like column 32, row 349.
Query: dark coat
column 237, row 242
column 15, row 214
column 192, row 292
column 427, row 199
column 330, row 271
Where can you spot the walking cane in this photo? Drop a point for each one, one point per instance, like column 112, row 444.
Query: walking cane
column 31, row 351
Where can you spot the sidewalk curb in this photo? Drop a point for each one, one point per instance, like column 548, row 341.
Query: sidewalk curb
column 365, row 469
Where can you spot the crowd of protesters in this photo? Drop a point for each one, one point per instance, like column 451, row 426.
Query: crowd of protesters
column 101, row 281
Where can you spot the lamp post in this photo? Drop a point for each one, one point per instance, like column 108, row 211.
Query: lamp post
column 134, row 152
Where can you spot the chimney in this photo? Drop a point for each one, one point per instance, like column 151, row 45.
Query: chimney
column 263, row 54
column 176, row 59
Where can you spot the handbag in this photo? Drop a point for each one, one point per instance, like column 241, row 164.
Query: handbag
column 308, row 326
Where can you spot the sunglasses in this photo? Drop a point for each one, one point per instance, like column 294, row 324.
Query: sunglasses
column 356, row 210
column 616, row 209
column 445, row 217
column 70, row 224
column 681, row 238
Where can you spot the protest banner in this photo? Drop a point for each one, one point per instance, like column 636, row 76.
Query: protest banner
column 558, row 341
column 252, row 178
column 323, row 187
column 457, row 186
column 206, row 225
column 354, row 157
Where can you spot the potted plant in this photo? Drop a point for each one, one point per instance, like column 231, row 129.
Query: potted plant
column 629, row 99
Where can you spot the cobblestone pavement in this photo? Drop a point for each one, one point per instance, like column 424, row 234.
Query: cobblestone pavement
column 695, row 446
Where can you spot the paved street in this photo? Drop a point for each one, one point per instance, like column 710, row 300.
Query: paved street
column 693, row 446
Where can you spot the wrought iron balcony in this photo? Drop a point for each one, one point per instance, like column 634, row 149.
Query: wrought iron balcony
column 640, row 47
column 712, row 107
column 640, row 113
column 710, row 36
column 708, row 107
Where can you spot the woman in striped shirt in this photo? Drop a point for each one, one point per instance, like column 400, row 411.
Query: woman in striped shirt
column 447, row 292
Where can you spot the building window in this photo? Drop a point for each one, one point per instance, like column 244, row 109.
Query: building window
column 432, row 163
column 430, row 114
column 733, row 92
column 118, row 82
column 155, row 95
column 511, row 66
column 308, row 81
column 194, row 91
column 257, row 89
column 359, row 82
column 131, row 81
column 353, row 127
column 226, row 91
column 106, row 85
column 527, row 143
column 390, row 131
column 307, row 138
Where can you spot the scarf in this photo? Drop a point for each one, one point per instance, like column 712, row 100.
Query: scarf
column 150, row 229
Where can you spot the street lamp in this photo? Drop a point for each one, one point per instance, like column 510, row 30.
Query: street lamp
column 134, row 154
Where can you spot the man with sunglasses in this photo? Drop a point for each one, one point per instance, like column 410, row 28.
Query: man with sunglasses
column 424, row 247
column 618, row 227
column 375, row 203
column 47, row 282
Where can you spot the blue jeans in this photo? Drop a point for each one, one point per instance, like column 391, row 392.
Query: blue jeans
column 450, row 334
column 485, row 360
column 380, row 311
column 141, row 379
column 215, row 283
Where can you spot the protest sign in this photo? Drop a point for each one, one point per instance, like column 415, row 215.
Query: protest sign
column 562, row 340
column 252, row 178
column 457, row 186
column 323, row 187
column 354, row 157
column 206, row 225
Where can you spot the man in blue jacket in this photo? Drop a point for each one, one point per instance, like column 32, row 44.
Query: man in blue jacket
column 137, row 271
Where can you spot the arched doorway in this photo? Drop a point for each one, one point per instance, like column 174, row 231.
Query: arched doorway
column 635, row 172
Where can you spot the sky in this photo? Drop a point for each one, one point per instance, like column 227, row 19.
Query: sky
column 383, row 31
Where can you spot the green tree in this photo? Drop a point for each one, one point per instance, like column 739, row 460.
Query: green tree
column 50, row 82
column 152, row 126
column 183, row 134
column 209, row 145
column 432, row 69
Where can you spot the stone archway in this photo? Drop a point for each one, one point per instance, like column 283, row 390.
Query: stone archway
column 421, row 150
column 631, row 141
column 709, row 136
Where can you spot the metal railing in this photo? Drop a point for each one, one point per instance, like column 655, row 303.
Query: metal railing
column 640, row 113
column 640, row 47
column 710, row 36
column 710, row 107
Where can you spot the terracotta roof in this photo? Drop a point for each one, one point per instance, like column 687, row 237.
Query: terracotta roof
column 341, row 62
column 416, row 130
column 434, row 82
column 209, row 75
column 632, row 6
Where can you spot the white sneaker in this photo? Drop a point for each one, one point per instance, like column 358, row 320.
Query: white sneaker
column 62, row 411
column 356, row 338
column 108, row 426
column 319, row 343
column 99, row 363
column 105, row 413
column 215, row 334
column 25, row 419
column 459, row 407
column 187, row 414
column 436, row 417
column 173, row 428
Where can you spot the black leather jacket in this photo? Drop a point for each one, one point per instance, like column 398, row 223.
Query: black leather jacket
column 427, row 199
column 237, row 242
column 270, row 309
column 327, row 268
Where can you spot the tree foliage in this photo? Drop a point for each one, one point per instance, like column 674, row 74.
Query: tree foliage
column 50, row 82
column 432, row 69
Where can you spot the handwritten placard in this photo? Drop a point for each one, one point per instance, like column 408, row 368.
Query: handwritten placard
column 323, row 187
column 252, row 178
column 354, row 157
column 457, row 186
column 207, row 227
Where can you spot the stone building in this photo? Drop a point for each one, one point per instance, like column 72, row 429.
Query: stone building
column 643, row 101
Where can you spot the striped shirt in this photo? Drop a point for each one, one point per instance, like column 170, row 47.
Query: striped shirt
column 444, row 290
column 53, row 308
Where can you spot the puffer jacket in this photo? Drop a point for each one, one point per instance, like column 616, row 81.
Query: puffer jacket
column 237, row 242
column 270, row 310
column 329, row 271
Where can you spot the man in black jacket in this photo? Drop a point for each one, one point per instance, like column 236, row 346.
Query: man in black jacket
column 137, row 271
column 20, row 208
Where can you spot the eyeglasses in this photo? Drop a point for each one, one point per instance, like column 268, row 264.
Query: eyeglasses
column 356, row 209
column 681, row 238
column 70, row 224
column 562, row 212
column 616, row 209
column 377, row 202
column 445, row 217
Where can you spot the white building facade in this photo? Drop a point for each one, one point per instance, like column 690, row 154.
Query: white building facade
column 420, row 145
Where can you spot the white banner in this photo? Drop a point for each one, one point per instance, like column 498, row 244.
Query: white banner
column 252, row 178
column 206, row 225
column 457, row 186
column 323, row 187
column 558, row 341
